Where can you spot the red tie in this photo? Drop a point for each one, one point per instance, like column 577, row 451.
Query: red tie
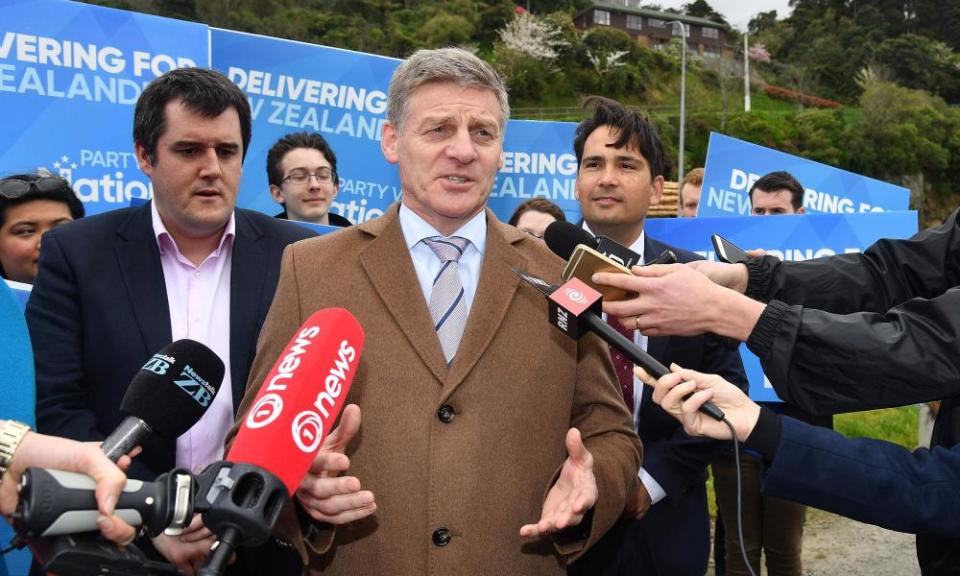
column 622, row 364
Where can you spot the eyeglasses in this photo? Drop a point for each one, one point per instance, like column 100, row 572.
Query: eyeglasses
column 13, row 188
column 301, row 177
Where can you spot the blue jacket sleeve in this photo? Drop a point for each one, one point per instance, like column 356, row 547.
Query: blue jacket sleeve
column 869, row 480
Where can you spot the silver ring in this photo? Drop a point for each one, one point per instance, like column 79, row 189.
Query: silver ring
column 637, row 322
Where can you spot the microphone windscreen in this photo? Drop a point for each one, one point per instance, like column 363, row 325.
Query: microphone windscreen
column 301, row 397
column 563, row 237
column 174, row 388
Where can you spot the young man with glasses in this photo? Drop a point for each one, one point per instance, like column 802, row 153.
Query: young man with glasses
column 302, row 170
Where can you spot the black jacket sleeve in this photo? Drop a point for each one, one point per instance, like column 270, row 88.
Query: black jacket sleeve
column 863, row 331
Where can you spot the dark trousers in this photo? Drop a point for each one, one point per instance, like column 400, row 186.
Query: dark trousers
column 672, row 539
column 770, row 525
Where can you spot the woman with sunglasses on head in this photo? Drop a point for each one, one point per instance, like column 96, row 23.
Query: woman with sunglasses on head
column 30, row 205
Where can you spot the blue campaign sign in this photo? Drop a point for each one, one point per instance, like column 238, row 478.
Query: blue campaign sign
column 787, row 237
column 296, row 87
column 70, row 75
column 341, row 94
column 732, row 166
column 538, row 162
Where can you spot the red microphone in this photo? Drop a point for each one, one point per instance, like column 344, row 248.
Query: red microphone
column 301, row 397
column 294, row 411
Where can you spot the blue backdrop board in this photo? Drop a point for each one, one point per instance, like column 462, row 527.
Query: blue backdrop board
column 732, row 166
column 787, row 237
column 294, row 87
column 70, row 75
column 538, row 162
column 341, row 94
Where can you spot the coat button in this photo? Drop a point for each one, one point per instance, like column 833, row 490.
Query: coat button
column 441, row 537
column 446, row 413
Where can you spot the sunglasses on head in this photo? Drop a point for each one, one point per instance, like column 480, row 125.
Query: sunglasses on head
column 13, row 188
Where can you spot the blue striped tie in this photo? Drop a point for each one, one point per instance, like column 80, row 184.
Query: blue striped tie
column 448, row 305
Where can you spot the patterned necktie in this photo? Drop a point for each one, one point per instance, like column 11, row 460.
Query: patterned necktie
column 448, row 306
column 621, row 364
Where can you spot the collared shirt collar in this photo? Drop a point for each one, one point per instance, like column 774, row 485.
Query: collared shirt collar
column 165, row 240
column 416, row 229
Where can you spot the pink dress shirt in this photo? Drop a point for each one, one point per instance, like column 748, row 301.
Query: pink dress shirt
column 199, row 302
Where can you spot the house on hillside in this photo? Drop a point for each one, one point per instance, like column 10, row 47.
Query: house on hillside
column 651, row 28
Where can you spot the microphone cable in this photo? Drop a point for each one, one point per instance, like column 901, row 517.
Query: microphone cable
column 736, row 459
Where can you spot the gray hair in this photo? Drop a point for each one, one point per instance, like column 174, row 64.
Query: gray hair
column 442, row 65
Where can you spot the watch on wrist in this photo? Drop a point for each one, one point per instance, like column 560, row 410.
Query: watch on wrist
column 11, row 433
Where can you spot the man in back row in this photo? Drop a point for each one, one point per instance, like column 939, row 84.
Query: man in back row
column 302, row 171
column 113, row 289
column 474, row 407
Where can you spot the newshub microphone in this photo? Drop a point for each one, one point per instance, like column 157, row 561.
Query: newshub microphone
column 167, row 396
column 293, row 412
column 587, row 255
column 563, row 238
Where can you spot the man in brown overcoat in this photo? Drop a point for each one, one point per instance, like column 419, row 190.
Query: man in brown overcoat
column 491, row 443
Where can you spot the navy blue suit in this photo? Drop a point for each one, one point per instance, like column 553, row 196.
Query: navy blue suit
column 673, row 538
column 99, row 310
column 869, row 480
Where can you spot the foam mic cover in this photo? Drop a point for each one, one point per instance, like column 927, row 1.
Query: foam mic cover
column 175, row 387
column 563, row 237
column 167, row 396
column 301, row 397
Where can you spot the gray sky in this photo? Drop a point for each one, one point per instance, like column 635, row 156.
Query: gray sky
column 737, row 12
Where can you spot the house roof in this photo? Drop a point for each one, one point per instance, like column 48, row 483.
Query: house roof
column 650, row 13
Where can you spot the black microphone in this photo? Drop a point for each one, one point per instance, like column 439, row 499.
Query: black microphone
column 563, row 238
column 167, row 396
column 574, row 308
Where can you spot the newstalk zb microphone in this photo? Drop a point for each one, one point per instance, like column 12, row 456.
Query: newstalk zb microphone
column 167, row 396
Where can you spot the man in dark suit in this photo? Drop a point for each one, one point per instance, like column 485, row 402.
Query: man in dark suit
column 117, row 287
column 665, row 527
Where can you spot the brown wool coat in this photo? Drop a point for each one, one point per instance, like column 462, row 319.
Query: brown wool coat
column 517, row 384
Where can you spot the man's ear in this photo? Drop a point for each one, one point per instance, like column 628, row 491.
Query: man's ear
column 388, row 143
column 656, row 190
column 800, row 210
column 276, row 194
column 143, row 159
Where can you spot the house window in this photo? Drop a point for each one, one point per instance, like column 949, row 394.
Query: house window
column 710, row 32
column 634, row 22
column 601, row 17
column 655, row 22
column 676, row 29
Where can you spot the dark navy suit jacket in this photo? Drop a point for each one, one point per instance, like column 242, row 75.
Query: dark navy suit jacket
column 99, row 310
column 674, row 536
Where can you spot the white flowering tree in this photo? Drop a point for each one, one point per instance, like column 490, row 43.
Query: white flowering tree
column 526, row 54
column 532, row 37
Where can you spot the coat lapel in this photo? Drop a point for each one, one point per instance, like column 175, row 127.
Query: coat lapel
column 247, row 305
column 142, row 277
column 387, row 263
column 495, row 291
